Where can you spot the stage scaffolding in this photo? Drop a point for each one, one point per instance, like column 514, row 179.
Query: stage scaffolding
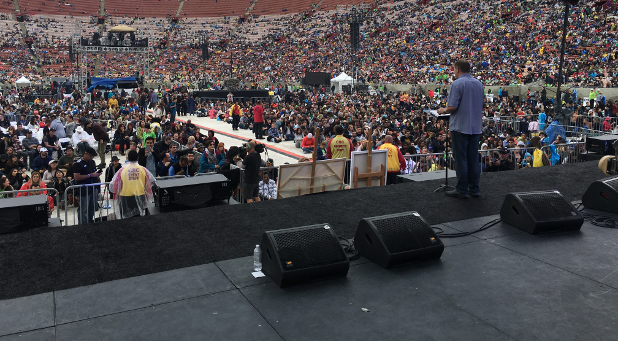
column 82, row 49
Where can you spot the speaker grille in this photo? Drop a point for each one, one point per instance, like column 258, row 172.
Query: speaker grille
column 405, row 233
column 307, row 248
column 613, row 183
column 545, row 206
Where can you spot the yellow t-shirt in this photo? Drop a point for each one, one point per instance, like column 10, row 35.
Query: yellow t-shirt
column 339, row 147
column 133, row 179
column 393, row 157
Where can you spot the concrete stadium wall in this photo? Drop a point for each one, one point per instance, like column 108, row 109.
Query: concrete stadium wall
column 521, row 90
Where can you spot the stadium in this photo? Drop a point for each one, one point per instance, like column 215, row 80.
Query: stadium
column 422, row 169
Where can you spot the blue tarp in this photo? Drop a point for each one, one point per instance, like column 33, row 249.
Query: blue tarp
column 107, row 82
column 553, row 130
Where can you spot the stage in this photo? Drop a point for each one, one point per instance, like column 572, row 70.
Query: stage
column 186, row 275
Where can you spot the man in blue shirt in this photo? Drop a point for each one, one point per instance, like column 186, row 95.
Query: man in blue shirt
column 465, row 105
column 40, row 162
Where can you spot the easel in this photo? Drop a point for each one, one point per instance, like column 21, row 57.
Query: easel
column 314, row 159
column 369, row 175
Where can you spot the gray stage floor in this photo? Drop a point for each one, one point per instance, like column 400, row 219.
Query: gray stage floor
column 500, row 284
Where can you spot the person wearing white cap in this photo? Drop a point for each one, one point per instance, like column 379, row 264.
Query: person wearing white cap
column 80, row 140
column 40, row 162
column 308, row 143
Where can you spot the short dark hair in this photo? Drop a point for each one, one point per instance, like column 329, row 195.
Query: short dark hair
column 338, row 130
column 183, row 158
column 462, row 65
column 132, row 156
column 148, row 138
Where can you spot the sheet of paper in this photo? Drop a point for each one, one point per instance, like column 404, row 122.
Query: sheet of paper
column 258, row 274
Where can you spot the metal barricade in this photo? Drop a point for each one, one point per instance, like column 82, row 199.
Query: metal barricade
column 95, row 197
column 421, row 163
column 559, row 154
column 493, row 158
column 3, row 195
column 564, row 153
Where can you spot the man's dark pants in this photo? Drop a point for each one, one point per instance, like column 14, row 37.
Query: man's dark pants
column 467, row 166
column 391, row 178
column 257, row 127
column 235, row 121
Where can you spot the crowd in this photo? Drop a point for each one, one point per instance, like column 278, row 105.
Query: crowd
column 45, row 138
column 508, row 42
column 52, row 142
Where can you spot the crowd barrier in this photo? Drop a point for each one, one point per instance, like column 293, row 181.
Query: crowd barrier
column 80, row 201
column 577, row 126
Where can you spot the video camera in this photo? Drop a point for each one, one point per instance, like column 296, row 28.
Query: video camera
column 609, row 163
column 259, row 148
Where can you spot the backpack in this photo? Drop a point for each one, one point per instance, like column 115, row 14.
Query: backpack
column 539, row 159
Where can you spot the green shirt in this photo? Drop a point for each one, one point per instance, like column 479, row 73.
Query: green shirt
column 145, row 135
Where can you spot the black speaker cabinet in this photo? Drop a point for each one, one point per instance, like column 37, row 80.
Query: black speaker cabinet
column 23, row 213
column 303, row 254
column 193, row 192
column 602, row 195
column 603, row 144
column 539, row 212
column 397, row 239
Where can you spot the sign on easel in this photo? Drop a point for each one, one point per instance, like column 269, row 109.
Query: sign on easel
column 359, row 173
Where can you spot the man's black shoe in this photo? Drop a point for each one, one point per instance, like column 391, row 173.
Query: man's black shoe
column 475, row 195
column 101, row 166
column 454, row 194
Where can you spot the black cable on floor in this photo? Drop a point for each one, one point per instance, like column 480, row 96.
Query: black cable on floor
column 348, row 247
column 441, row 233
column 598, row 220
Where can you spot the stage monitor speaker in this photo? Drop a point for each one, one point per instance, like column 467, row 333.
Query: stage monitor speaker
column 540, row 212
column 303, row 254
column 602, row 195
column 23, row 213
column 397, row 239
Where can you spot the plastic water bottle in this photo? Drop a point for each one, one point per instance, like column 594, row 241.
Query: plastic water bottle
column 257, row 259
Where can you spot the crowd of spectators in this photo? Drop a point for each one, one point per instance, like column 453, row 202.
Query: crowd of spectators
column 403, row 42
column 415, row 42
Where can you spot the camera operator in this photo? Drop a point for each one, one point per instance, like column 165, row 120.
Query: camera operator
column 252, row 163
column 503, row 163
column 85, row 172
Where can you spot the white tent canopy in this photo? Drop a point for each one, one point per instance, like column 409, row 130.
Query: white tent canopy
column 341, row 80
column 23, row 81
